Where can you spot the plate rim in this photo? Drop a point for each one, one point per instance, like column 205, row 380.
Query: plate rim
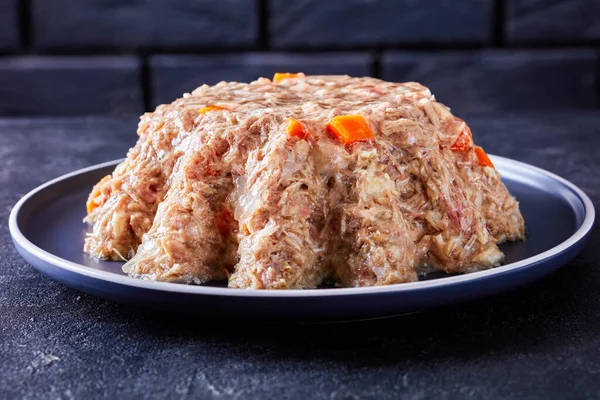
column 108, row 277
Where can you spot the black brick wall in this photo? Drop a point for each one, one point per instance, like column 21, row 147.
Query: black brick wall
column 490, row 80
column 74, row 57
column 553, row 21
column 366, row 23
column 125, row 25
column 37, row 85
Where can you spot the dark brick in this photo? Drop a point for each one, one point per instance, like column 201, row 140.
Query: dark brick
column 174, row 75
column 333, row 23
column 149, row 24
column 70, row 86
column 498, row 80
column 9, row 35
column 553, row 21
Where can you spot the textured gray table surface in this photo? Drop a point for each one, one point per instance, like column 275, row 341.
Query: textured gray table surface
column 539, row 341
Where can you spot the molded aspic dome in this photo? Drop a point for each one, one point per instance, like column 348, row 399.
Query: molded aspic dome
column 290, row 182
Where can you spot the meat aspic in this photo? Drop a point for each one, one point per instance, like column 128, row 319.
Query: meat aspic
column 292, row 182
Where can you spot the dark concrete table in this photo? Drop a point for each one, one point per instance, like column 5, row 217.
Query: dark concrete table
column 539, row 341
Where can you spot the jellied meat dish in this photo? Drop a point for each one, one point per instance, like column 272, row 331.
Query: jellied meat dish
column 302, row 180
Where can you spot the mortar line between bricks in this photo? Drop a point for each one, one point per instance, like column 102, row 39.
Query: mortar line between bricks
column 564, row 46
column 146, row 82
column 499, row 23
column 376, row 64
column 263, row 24
column 25, row 23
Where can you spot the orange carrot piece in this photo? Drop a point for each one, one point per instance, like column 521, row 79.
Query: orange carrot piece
column 463, row 142
column 206, row 109
column 91, row 204
column 295, row 129
column 482, row 158
column 349, row 128
column 279, row 76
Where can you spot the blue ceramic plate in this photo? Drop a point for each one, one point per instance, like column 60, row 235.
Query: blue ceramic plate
column 47, row 229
